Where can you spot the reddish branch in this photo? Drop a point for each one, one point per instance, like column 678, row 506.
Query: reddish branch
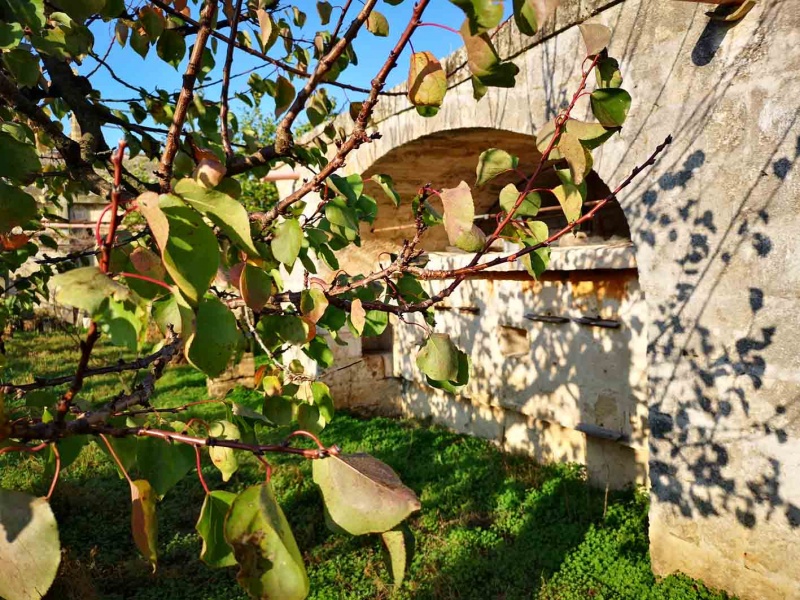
column 187, row 93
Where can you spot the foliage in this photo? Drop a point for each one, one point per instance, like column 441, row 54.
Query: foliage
column 490, row 522
column 203, row 251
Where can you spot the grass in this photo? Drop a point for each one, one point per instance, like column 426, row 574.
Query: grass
column 492, row 525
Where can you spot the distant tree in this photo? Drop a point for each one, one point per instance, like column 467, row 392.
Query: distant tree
column 200, row 207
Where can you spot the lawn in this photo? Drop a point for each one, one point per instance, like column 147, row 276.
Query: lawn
column 491, row 526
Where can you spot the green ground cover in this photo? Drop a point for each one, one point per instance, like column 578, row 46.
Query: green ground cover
column 492, row 526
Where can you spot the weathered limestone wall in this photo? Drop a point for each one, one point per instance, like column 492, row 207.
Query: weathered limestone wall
column 715, row 228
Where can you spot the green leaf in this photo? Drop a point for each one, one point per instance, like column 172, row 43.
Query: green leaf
column 323, row 400
column 536, row 262
column 484, row 62
column 86, row 288
column 24, row 66
column 362, row 494
column 68, row 450
column 375, row 324
column 578, row 158
column 591, row 135
column 216, row 338
column 278, row 410
column 228, row 214
column 377, row 24
column 438, row 358
column 27, row 12
column 324, row 9
column 256, row 286
column 80, row 9
column 607, row 73
column 190, row 252
column 596, row 37
column 286, row 241
column 174, row 310
column 18, row 160
column 493, row 162
column 10, row 35
column 427, row 83
column 482, row 15
column 571, row 201
column 30, row 551
column 224, row 458
column 211, row 528
column 171, row 47
column 399, row 545
column 387, row 185
column 455, row 385
column 319, row 107
column 610, row 106
column 163, row 464
column 16, row 207
column 270, row 564
column 351, row 187
column 152, row 21
column 528, row 208
column 125, row 449
column 310, row 419
column 120, row 323
column 144, row 522
column 139, row 42
column 284, row 95
column 530, row 15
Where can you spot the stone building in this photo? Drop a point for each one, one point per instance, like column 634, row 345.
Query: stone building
column 694, row 390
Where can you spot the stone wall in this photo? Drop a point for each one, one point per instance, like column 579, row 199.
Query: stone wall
column 715, row 229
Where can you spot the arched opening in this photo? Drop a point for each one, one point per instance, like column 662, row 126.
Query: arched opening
column 558, row 363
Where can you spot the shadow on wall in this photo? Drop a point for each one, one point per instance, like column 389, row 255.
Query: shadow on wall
column 715, row 395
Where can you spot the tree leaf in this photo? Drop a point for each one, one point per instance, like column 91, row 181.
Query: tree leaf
column 86, row 288
column 228, row 214
column 212, row 346
column 377, row 24
column 536, row 262
column 268, row 32
column 351, row 187
column 324, row 9
column 610, row 106
column 319, row 107
column 484, row 62
column 578, row 158
column 284, row 95
column 427, row 83
column 455, row 385
column 310, row 419
column 591, row 135
column 362, row 494
column 162, row 463
column 438, row 358
column 16, row 207
column 528, row 208
column 482, row 15
column 607, row 73
column 375, row 323
column 211, row 528
column 387, row 185
column 171, row 47
column 530, row 15
column 358, row 316
column 24, row 66
column 596, row 37
column 493, row 162
column 144, row 522
column 29, row 12
column 270, row 565
column 286, row 241
column 120, row 323
column 18, row 160
column 224, row 458
column 190, row 252
column 256, row 286
column 399, row 546
column 313, row 304
column 30, row 551
column 570, row 199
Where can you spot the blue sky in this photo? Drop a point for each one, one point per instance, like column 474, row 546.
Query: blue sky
column 152, row 73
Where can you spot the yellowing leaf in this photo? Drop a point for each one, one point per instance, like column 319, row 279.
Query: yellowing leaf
column 377, row 24
column 459, row 212
column 224, row 458
column 596, row 37
column 578, row 158
column 529, row 206
column 268, row 32
column 313, row 304
column 358, row 316
column 427, row 83
column 86, row 288
column 493, row 162
column 362, row 494
column 530, row 15
column 144, row 522
column 30, row 551
column 399, row 544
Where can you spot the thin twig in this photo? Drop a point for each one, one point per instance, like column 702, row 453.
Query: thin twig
column 226, row 81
